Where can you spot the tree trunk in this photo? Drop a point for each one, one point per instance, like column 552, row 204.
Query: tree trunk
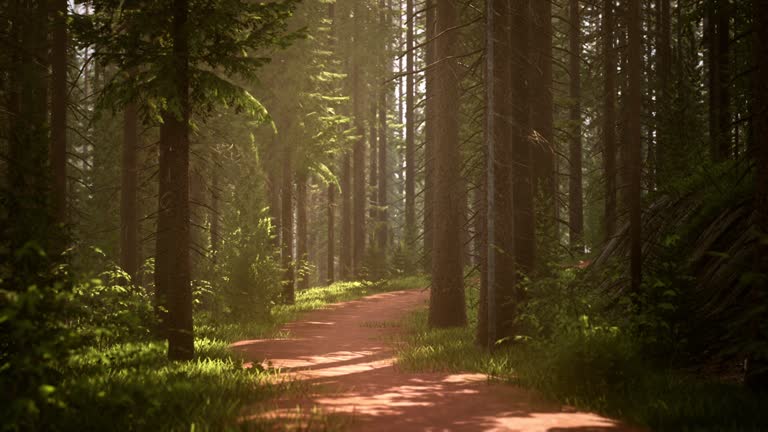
column 429, row 135
column 383, row 200
column 664, row 152
column 495, row 14
column 373, row 172
column 302, row 250
column 331, row 277
column 331, row 254
column 634, row 140
column 172, row 267
column 358, row 155
column 724, row 80
column 757, row 372
column 410, row 129
column 215, row 215
column 542, row 121
column 522, row 183
column 447, row 304
column 286, row 228
column 717, row 36
column 58, row 152
column 129, row 218
column 29, row 188
column 575, row 191
column 609, row 120
column 274, row 181
column 502, row 266
column 346, row 218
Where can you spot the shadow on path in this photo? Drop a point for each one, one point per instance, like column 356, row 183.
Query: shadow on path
column 341, row 352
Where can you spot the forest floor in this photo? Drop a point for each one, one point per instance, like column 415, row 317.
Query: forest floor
column 344, row 356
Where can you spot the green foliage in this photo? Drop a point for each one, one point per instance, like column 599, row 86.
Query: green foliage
column 226, row 38
column 583, row 349
column 108, row 310
column 34, row 299
column 251, row 274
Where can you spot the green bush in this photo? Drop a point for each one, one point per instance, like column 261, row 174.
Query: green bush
column 250, row 274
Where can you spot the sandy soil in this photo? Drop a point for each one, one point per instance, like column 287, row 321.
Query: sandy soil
column 343, row 354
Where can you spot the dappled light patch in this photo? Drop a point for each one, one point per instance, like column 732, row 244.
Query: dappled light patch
column 349, row 368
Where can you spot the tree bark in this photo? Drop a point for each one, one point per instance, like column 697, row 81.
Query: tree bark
column 429, row 135
column 634, row 140
column 609, row 120
column 346, row 218
column 358, row 155
column 664, row 153
column 215, row 214
column 382, row 231
column 302, row 250
column 575, row 188
column 522, row 172
column 331, row 276
column 542, row 120
column 757, row 372
column 447, row 304
column 410, row 146
column 286, row 228
column 717, row 39
column 58, row 151
column 502, row 281
column 28, row 153
column 172, row 266
column 129, row 218
column 274, row 181
column 724, row 80
column 373, row 172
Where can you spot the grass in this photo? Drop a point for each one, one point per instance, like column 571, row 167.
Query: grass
column 132, row 386
column 599, row 371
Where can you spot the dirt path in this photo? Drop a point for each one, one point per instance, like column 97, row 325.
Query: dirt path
column 343, row 353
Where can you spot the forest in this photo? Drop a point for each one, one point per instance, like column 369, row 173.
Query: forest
column 535, row 215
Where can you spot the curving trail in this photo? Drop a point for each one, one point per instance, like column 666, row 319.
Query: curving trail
column 342, row 352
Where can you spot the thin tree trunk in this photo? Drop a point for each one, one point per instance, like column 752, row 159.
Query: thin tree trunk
column 346, row 218
column 486, row 333
column 302, row 250
column 429, row 135
column 634, row 140
column 542, row 120
column 664, row 153
column 383, row 228
column 172, row 267
column 331, row 254
column 609, row 120
column 575, row 188
column 724, row 80
column 129, row 219
column 410, row 146
column 215, row 214
column 373, row 172
column 358, row 154
column 58, row 152
column 331, row 276
column 274, row 182
column 447, row 304
column 286, row 227
column 713, row 76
